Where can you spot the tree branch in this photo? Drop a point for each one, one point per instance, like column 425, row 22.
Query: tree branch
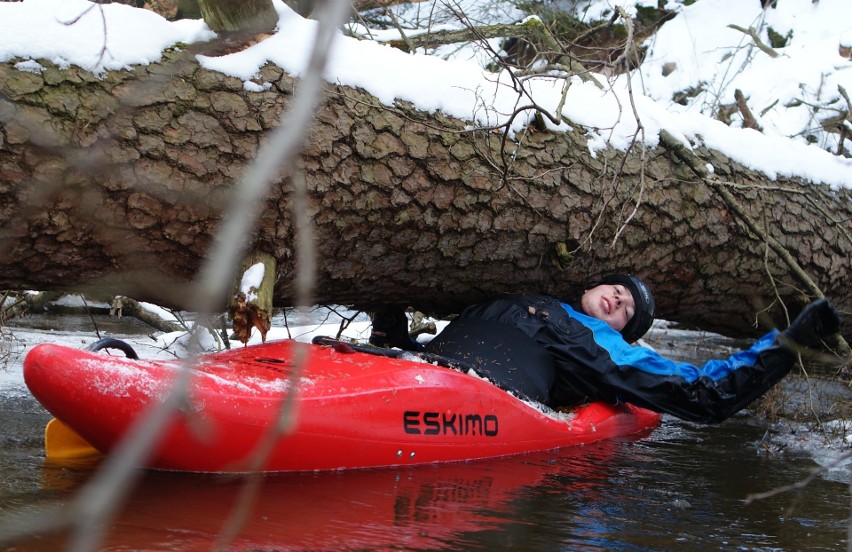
column 752, row 32
column 748, row 119
column 531, row 30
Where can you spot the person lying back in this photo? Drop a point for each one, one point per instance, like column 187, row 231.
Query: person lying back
column 561, row 355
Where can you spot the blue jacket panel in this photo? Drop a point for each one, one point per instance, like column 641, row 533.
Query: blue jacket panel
column 648, row 360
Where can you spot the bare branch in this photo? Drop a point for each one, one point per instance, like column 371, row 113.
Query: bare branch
column 752, row 32
column 531, row 30
column 748, row 119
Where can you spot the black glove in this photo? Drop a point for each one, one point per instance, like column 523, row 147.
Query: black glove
column 816, row 322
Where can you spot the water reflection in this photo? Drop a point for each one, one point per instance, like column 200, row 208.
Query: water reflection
column 421, row 508
column 682, row 487
column 429, row 507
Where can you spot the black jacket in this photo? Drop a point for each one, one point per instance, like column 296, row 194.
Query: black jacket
column 542, row 349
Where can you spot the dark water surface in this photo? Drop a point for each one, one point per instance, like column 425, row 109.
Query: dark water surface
column 681, row 487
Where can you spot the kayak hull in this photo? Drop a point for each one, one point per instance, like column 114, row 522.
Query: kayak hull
column 332, row 410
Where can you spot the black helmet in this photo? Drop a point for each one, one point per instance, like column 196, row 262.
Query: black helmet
column 645, row 309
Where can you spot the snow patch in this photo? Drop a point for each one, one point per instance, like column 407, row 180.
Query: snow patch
column 30, row 66
column 251, row 280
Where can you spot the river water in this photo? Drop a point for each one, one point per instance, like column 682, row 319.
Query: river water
column 679, row 487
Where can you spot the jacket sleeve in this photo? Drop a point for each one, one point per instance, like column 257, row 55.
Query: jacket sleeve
column 598, row 363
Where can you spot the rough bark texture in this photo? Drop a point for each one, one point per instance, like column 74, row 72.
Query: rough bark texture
column 118, row 184
column 239, row 15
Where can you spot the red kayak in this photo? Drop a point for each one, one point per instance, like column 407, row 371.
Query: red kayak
column 354, row 410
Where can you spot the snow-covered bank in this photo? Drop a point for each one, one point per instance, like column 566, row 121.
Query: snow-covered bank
column 829, row 444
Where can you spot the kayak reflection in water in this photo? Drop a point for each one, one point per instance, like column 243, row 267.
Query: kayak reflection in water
column 562, row 355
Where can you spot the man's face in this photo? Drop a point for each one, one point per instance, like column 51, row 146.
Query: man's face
column 610, row 303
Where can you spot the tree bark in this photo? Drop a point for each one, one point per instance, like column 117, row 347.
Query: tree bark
column 239, row 15
column 118, row 184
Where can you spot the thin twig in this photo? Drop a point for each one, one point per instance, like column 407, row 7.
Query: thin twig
column 103, row 49
column 640, row 128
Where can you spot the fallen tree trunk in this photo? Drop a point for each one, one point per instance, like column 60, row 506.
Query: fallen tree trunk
column 118, row 184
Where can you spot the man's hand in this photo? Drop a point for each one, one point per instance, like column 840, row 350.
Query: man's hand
column 816, row 322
